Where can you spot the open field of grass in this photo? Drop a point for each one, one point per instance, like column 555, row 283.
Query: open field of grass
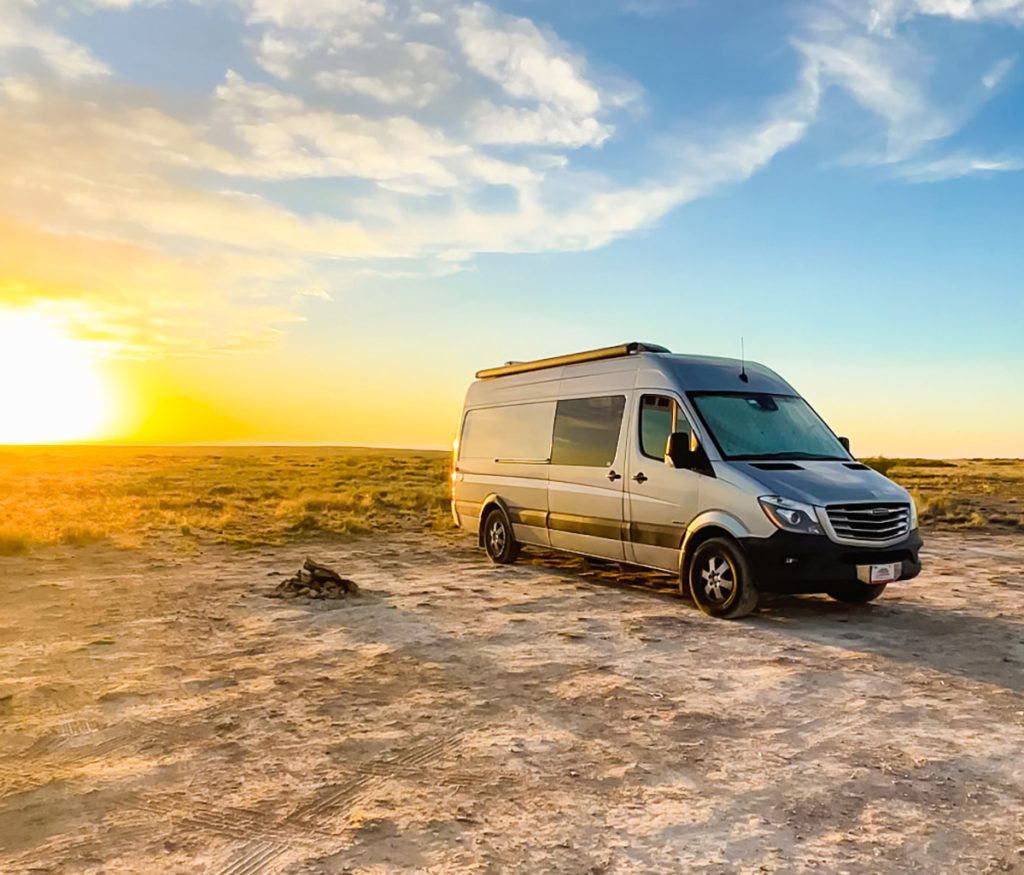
column 973, row 493
column 131, row 495
column 251, row 495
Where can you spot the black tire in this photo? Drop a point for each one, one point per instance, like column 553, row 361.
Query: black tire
column 499, row 540
column 858, row 593
column 720, row 580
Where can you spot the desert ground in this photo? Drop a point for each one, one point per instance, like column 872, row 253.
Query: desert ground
column 159, row 712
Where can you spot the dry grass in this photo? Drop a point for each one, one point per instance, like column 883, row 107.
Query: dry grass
column 130, row 495
column 970, row 493
column 13, row 543
column 251, row 495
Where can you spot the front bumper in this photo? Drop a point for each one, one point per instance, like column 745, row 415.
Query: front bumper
column 791, row 563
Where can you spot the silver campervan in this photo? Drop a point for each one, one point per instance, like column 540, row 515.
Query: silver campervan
column 710, row 468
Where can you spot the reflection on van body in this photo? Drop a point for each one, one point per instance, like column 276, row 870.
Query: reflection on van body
column 710, row 468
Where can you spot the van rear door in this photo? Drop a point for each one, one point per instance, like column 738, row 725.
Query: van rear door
column 586, row 476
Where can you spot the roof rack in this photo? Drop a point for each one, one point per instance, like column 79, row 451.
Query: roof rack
column 591, row 355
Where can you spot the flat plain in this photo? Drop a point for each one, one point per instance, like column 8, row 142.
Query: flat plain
column 161, row 714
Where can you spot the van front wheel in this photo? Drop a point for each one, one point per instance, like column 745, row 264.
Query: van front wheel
column 720, row 580
column 499, row 541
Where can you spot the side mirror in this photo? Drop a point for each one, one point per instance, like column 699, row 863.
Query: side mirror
column 845, row 441
column 677, row 451
column 683, row 450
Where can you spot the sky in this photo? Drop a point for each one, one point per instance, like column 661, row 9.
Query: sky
column 311, row 221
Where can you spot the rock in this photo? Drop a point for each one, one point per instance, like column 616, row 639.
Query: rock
column 315, row 581
column 323, row 574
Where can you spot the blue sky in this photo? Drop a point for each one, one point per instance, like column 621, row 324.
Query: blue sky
column 208, row 189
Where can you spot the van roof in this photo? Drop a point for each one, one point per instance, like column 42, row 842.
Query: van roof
column 695, row 372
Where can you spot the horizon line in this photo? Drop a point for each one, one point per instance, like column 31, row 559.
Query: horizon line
column 198, row 445
column 215, row 445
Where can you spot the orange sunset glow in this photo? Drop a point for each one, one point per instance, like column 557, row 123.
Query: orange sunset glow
column 53, row 390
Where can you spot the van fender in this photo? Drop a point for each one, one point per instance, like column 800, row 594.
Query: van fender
column 486, row 505
column 717, row 519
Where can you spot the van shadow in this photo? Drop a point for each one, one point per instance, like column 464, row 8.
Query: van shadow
column 897, row 627
column 606, row 572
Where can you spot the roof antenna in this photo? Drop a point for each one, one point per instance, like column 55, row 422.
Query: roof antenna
column 743, row 363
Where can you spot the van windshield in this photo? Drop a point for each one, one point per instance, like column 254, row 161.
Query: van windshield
column 754, row 425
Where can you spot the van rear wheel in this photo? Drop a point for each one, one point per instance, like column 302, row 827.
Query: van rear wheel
column 721, row 582
column 499, row 540
column 857, row 593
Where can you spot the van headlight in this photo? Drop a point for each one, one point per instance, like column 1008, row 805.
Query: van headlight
column 790, row 515
column 913, row 514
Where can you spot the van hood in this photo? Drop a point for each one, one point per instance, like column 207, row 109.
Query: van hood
column 821, row 483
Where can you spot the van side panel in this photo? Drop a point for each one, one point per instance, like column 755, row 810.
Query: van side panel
column 523, row 492
column 503, row 452
column 585, row 498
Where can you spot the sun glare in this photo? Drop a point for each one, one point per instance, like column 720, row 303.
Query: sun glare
column 52, row 390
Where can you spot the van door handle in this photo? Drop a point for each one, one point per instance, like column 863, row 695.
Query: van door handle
column 641, row 477
column 613, row 476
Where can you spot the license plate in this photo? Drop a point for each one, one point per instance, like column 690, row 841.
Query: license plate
column 886, row 573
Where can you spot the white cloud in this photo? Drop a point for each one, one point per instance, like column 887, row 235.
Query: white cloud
column 116, row 173
column 279, row 136
column 373, row 54
column 886, row 14
column 315, row 13
column 417, row 77
column 997, row 72
column 524, row 62
column 279, row 55
column 587, row 211
column 543, row 126
column 869, row 50
column 400, row 138
column 554, row 100
column 296, row 53
column 20, row 31
column 200, row 205
column 883, row 73
column 956, row 166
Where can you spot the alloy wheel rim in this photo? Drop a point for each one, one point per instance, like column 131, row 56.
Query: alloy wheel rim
column 719, row 578
column 496, row 538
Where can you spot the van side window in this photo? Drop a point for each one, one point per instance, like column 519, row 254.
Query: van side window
column 587, row 431
column 659, row 417
column 520, row 432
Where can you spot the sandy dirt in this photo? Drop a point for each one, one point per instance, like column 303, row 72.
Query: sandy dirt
column 160, row 714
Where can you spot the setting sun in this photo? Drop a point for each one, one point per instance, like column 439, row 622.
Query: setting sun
column 52, row 389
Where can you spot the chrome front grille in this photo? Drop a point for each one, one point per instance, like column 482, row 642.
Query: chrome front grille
column 869, row 522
